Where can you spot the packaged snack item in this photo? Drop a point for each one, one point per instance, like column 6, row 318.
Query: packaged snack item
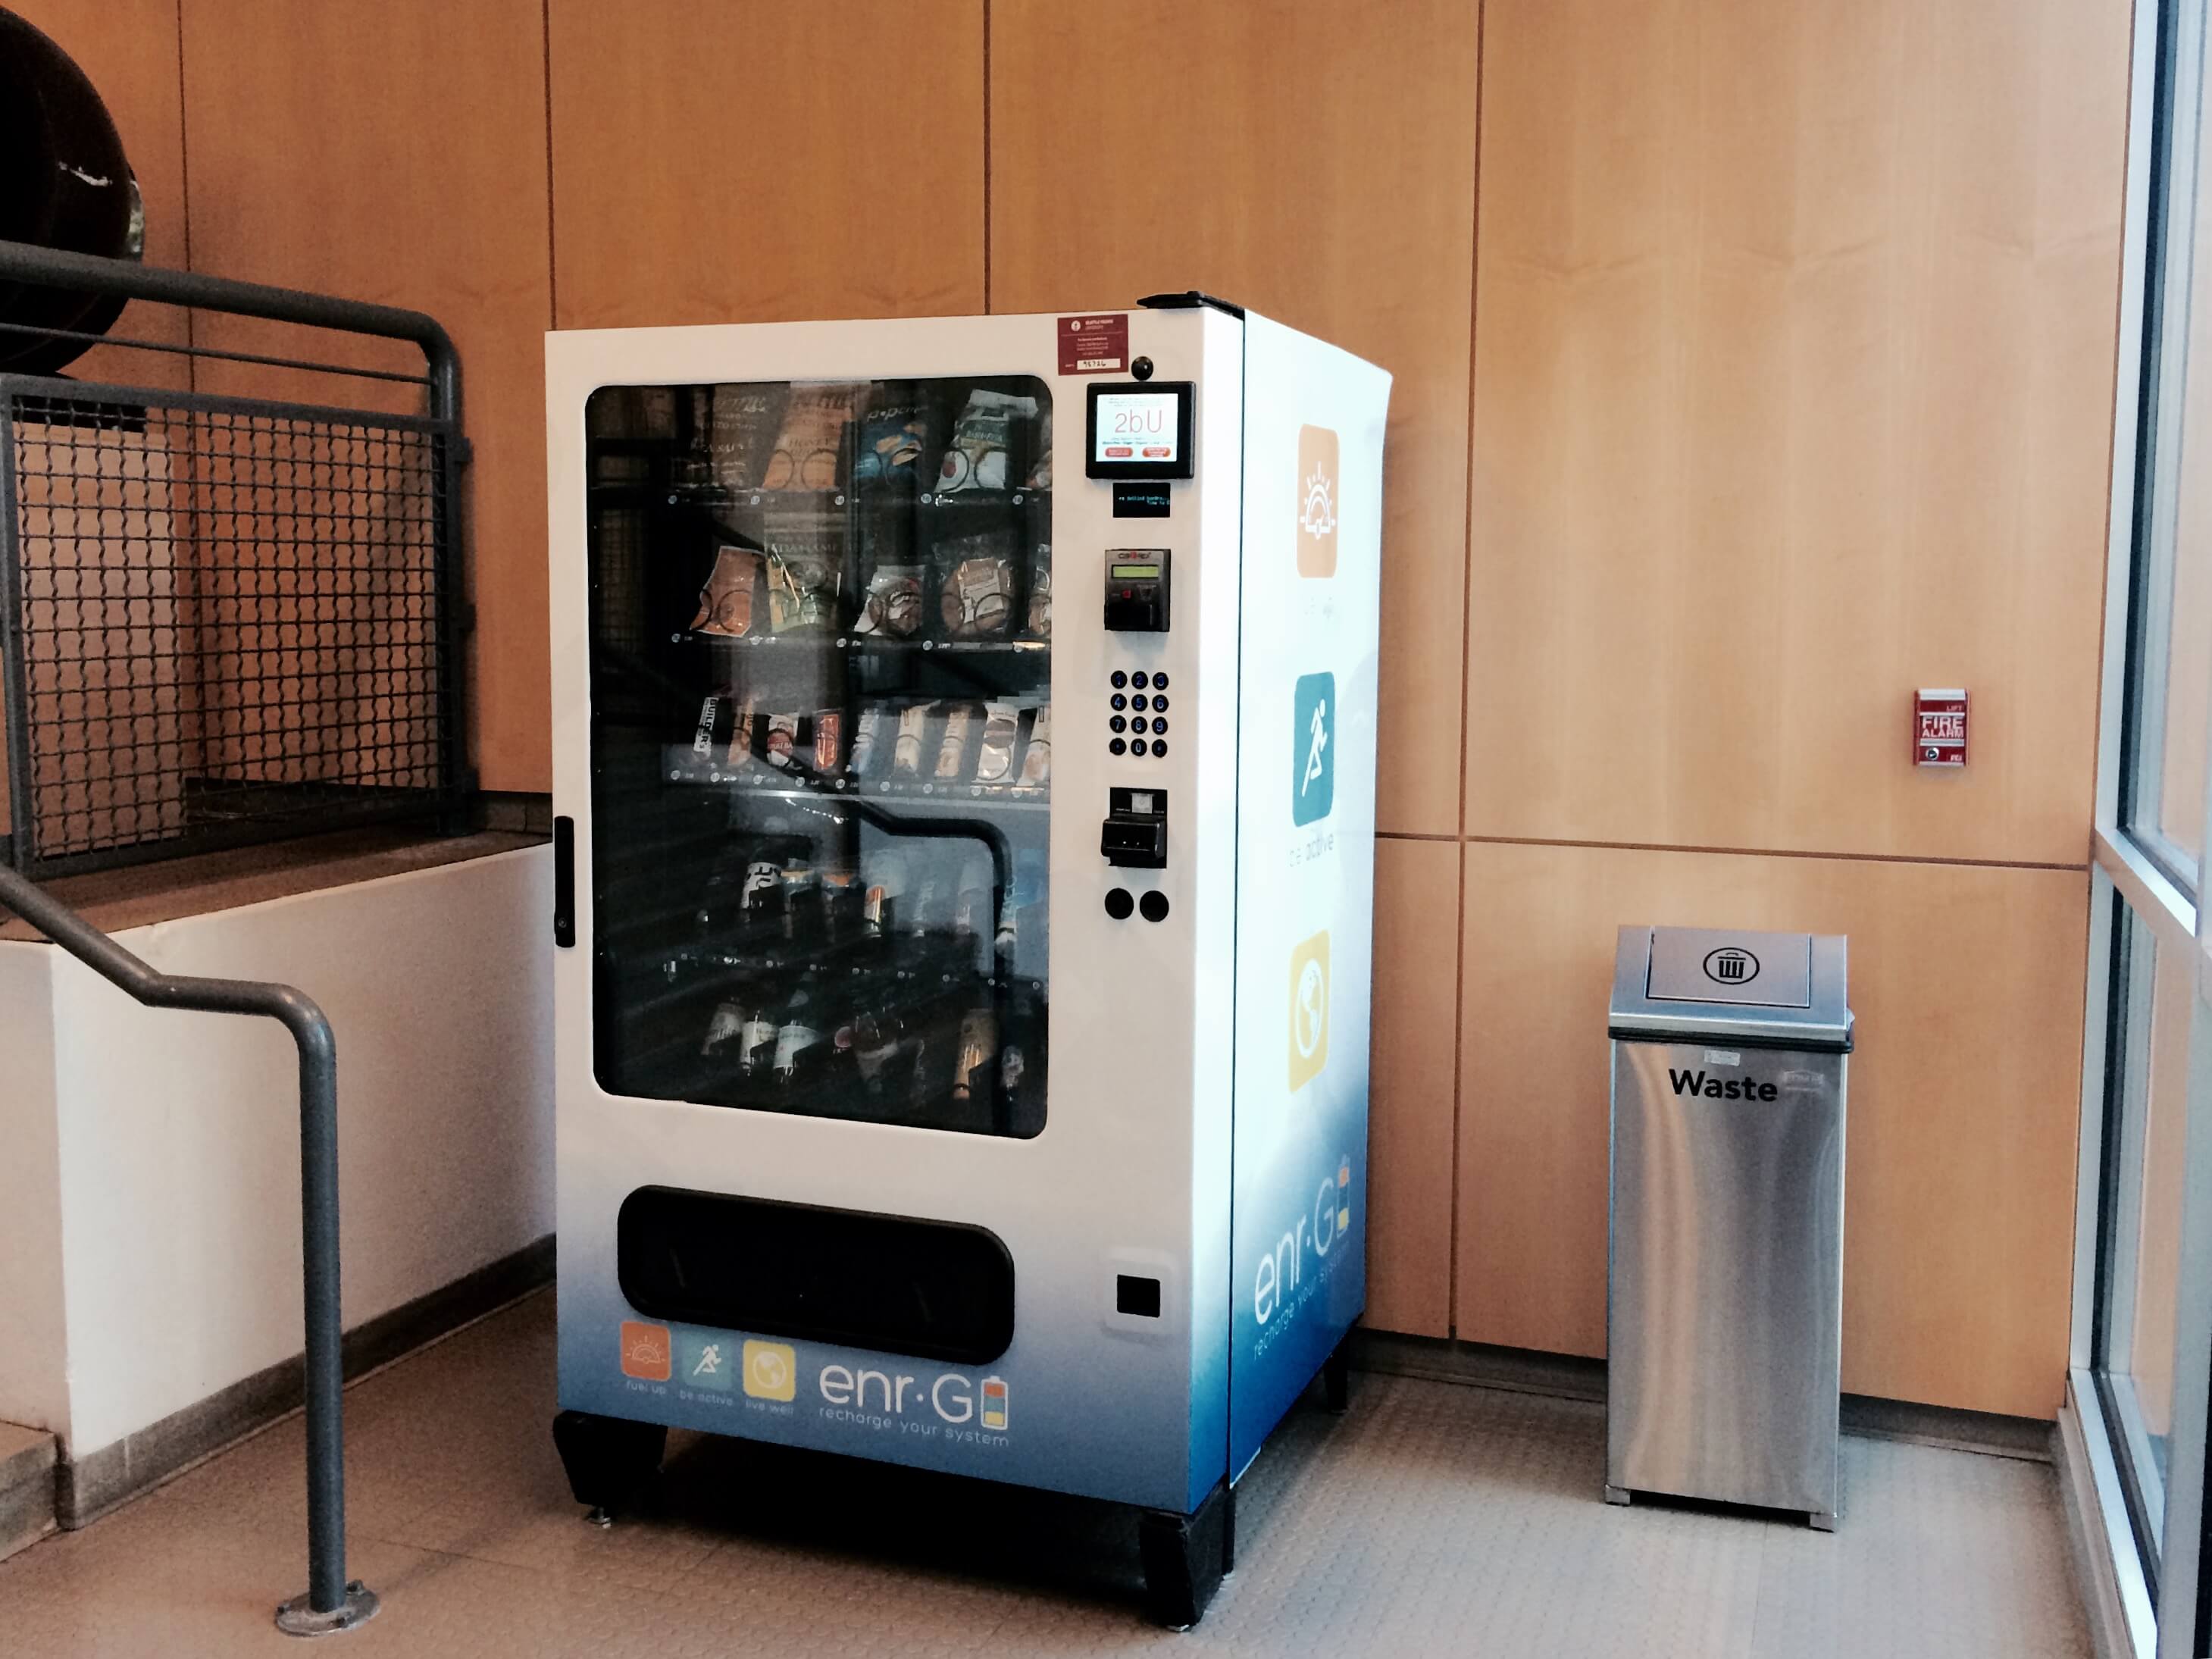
column 979, row 1051
column 1036, row 759
column 630, row 411
column 952, row 750
column 741, row 733
column 1041, row 469
column 976, row 596
column 797, row 881
column 893, row 605
column 971, row 908
column 828, row 740
column 795, row 1036
column 741, row 433
column 913, row 728
column 976, row 458
column 764, row 887
column 867, row 740
column 805, row 567
column 1002, row 726
column 812, row 437
column 877, row 1039
column 757, row 1041
column 724, row 1028
column 894, row 437
column 929, row 898
column 1029, row 890
column 1041, row 593
column 783, row 738
column 885, row 883
column 627, row 413
column 726, row 602
column 715, row 710
column 841, row 900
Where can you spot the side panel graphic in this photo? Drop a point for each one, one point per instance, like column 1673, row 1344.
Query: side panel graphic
column 1313, row 462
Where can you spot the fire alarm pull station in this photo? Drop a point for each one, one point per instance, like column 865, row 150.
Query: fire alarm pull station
column 1939, row 728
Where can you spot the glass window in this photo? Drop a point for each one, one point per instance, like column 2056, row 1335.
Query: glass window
column 2147, row 1112
column 2170, row 688
column 821, row 672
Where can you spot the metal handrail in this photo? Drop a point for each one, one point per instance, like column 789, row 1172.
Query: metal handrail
column 332, row 1602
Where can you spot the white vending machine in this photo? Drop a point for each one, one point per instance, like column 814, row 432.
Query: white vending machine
column 965, row 749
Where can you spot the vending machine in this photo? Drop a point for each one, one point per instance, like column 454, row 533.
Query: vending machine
column 965, row 746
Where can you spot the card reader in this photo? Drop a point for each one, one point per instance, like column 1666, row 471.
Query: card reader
column 1135, row 836
column 1137, row 589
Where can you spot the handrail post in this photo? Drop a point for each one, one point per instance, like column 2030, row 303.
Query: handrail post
column 332, row 1602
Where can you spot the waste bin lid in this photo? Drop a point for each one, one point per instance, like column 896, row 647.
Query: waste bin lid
column 1687, row 984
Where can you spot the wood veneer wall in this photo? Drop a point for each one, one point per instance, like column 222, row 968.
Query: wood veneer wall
column 1753, row 367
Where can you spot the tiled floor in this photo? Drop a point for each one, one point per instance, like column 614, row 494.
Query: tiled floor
column 1434, row 1519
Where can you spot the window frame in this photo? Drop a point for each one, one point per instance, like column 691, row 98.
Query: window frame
column 2132, row 865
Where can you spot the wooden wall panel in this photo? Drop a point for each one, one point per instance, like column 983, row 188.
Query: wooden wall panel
column 1964, row 1097
column 1303, row 159
column 394, row 150
column 1794, row 366
column 1410, row 1112
column 754, row 162
column 128, row 48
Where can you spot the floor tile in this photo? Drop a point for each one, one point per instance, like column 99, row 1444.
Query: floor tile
column 1434, row 1518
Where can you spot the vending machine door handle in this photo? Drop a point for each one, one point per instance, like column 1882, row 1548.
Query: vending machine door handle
column 564, row 882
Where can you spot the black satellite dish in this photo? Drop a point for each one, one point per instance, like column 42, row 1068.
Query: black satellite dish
column 65, row 182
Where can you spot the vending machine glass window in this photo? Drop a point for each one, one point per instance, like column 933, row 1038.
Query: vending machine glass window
column 821, row 742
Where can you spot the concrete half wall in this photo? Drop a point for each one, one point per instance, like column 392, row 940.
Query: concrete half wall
column 149, row 1201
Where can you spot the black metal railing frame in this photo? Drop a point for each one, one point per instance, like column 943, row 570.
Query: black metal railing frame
column 441, row 382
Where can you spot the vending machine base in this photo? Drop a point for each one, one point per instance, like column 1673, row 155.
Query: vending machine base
column 612, row 1462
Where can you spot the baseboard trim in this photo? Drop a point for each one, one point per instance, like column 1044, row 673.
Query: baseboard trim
column 26, row 1488
column 86, row 1488
column 1573, row 1376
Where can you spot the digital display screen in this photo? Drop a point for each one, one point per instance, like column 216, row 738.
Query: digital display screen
column 1134, row 572
column 1140, row 430
column 1138, row 427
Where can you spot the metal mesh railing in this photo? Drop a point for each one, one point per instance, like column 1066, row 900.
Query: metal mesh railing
column 225, row 619
column 228, row 621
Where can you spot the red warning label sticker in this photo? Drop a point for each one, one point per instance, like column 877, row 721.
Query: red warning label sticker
column 1094, row 345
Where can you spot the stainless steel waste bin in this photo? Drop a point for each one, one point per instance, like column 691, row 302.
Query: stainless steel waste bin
column 1724, row 1283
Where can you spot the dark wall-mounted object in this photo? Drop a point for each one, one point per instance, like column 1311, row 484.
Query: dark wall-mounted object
column 65, row 184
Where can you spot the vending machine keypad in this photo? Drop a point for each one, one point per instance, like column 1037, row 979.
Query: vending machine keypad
column 1147, row 716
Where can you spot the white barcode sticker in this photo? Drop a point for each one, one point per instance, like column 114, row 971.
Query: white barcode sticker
column 1722, row 1057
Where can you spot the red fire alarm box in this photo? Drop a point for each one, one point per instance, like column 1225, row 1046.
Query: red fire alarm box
column 1939, row 728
